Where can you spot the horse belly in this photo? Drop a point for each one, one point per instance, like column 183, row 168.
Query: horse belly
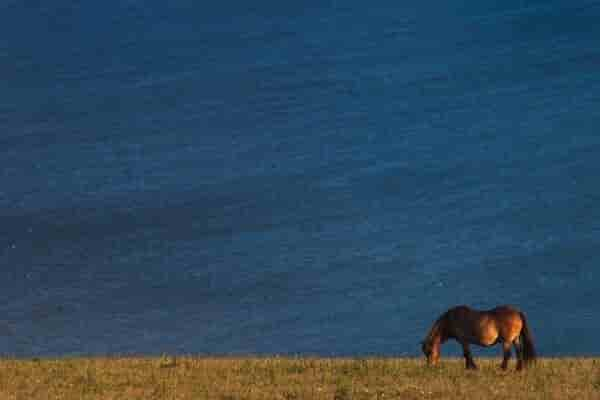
column 489, row 340
column 488, row 336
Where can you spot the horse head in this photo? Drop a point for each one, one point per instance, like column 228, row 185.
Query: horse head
column 431, row 351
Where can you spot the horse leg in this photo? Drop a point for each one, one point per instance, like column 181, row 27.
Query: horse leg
column 506, row 350
column 519, row 351
column 470, row 364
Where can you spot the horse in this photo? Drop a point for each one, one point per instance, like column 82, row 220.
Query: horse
column 503, row 324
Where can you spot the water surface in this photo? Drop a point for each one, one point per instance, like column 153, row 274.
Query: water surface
column 295, row 178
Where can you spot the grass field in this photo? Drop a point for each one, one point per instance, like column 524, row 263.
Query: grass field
column 293, row 378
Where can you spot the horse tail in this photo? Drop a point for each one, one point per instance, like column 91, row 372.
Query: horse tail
column 529, row 354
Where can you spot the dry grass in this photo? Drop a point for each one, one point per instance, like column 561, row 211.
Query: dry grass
column 293, row 378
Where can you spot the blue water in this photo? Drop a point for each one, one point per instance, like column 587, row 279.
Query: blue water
column 308, row 178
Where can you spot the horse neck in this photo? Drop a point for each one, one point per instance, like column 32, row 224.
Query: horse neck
column 437, row 333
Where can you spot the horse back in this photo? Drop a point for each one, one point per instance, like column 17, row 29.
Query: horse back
column 484, row 327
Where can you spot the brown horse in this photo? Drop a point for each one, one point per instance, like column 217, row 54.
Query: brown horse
column 504, row 324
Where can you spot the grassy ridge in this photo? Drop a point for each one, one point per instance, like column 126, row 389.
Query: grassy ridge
column 293, row 378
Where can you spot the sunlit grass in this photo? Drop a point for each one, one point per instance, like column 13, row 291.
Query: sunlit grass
column 293, row 378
